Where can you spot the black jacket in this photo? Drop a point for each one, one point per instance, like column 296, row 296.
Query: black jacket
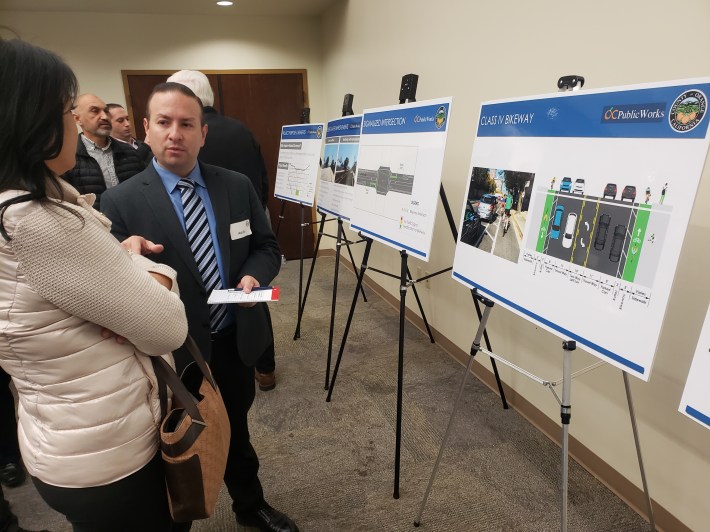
column 141, row 206
column 87, row 177
column 230, row 144
column 144, row 152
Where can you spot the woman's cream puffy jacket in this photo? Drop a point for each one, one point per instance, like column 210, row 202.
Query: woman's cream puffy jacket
column 88, row 405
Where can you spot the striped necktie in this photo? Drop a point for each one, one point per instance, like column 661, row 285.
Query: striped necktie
column 198, row 234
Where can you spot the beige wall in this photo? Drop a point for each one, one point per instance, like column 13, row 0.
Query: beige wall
column 473, row 51
column 99, row 46
column 478, row 51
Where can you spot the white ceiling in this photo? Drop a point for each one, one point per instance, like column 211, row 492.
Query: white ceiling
column 180, row 7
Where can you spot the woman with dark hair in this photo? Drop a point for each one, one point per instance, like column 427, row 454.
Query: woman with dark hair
column 79, row 316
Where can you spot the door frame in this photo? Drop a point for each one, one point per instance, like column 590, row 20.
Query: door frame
column 129, row 101
column 161, row 72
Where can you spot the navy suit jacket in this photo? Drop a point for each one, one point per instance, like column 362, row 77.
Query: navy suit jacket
column 230, row 144
column 141, row 206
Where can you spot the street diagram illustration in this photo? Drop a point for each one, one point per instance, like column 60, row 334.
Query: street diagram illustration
column 386, row 178
column 611, row 233
column 298, row 180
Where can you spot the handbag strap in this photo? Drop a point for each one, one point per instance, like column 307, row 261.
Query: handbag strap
column 194, row 351
column 167, row 377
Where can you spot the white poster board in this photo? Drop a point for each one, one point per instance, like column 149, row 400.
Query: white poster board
column 297, row 168
column 695, row 402
column 339, row 165
column 603, row 182
column 399, row 174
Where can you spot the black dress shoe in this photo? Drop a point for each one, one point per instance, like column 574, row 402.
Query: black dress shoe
column 267, row 519
column 12, row 475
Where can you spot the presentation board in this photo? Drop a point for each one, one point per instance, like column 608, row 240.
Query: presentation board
column 339, row 165
column 399, row 174
column 297, row 168
column 695, row 402
column 602, row 182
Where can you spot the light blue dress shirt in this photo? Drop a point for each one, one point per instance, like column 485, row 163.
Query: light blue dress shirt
column 170, row 181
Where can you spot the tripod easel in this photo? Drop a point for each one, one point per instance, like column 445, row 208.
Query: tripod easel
column 407, row 94
column 340, row 241
column 305, row 119
column 564, row 83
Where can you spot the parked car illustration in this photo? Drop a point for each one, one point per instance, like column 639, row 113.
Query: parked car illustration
column 570, row 226
column 487, row 206
column 617, row 243
column 566, row 184
column 471, row 226
column 629, row 193
column 578, row 186
column 557, row 222
column 602, row 230
column 609, row 191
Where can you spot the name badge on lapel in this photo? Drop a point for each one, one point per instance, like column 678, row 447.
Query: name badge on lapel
column 239, row 230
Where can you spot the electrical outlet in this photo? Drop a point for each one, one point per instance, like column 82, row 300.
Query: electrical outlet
column 426, row 283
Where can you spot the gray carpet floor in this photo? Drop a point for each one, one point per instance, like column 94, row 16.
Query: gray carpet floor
column 330, row 466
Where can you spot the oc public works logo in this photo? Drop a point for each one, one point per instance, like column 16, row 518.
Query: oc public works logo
column 687, row 111
column 319, row 132
column 440, row 117
column 634, row 113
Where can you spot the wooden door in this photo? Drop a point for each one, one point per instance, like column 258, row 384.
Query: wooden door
column 264, row 101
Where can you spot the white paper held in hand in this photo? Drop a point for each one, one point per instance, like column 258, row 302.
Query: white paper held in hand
column 237, row 295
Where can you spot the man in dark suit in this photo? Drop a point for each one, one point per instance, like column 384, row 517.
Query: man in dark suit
column 121, row 130
column 156, row 212
column 230, row 144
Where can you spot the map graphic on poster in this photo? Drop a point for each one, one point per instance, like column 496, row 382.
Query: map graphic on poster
column 399, row 174
column 339, row 165
column 297, row 168
column 695, row 402
column 600, row 186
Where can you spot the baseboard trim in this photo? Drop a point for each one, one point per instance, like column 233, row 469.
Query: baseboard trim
column 627, row 491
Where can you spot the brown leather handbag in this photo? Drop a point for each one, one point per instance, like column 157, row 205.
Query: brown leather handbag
column 194, row 436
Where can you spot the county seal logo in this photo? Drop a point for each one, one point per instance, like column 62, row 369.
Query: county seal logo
column 440, row 117
column 687, row 111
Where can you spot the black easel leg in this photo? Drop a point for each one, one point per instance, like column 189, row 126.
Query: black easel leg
column 363, row 267
column 352, row 260
column 281, row 217
column 301, row 308
column 403, row 281
column 488, row 346
column 421, row 309
column 332, row 305
column 300, row 281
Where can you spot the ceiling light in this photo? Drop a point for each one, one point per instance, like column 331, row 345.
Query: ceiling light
column 224, row 3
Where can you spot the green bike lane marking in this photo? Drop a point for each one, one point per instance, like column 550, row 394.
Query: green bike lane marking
column 637, row 237
column 545, row 222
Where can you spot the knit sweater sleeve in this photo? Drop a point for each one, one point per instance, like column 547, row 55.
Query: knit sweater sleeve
column 79, row 267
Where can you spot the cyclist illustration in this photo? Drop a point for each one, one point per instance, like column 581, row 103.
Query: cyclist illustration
column 508, row 206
